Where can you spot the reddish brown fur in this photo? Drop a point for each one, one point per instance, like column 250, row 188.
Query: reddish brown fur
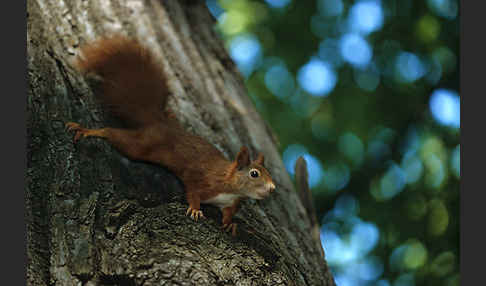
column 135, row 85
column 228, row 214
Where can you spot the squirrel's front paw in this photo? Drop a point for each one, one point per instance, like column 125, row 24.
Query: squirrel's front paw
column 84, row 132
column 80, row 131
column 195, row 214
column 230, row 227
column 70, row 126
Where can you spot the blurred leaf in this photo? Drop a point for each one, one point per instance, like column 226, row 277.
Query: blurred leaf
column 443, row 264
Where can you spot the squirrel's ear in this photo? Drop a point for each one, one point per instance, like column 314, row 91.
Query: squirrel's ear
column 259, row 160
column 243, row 158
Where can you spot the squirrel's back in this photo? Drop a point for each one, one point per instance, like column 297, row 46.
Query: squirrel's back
column 131, row 83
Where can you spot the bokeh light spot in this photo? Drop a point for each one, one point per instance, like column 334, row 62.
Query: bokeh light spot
column 434, row 157
column 233, row 22
column 322, row 126
column 384, row 133
column 377, row 149
column 336, row 176
column 432, row 145
column 344, row 280
column 392, row 182
column 315, row 170
column 303, row 103
column 436, row 173
column 330, row 8
column 444, row 8
column 446, row 58
column 411, row 143
column 408, row 67
column 356, row 50
column 279, row 81
column 214, row 8
column 346, row 205
column 456, row 161
column 366, row 16
column 329, row 52
column 314, row 167
column 406, row 279
column 352, row 148
column 416, row 207
column 333, row 247
column 435, row 70
column 428, row 29
column 382, row 282
column 349, row 242
column 445, row 106
column 415, row 255
column 370, row 269
column 317, row 77
column 278, row 3
column 367, row 79
column 412, row 166
column 438, row 219
column 364, row 237
column 396, row 258
column 290, row 156
column 443, row 264
column 245, row 50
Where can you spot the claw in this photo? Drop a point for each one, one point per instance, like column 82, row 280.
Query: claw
column 230, row 227
column 195, row 214
column 77, row 136
column 72, row 126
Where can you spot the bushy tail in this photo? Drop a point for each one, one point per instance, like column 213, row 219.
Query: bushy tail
column 132, row 84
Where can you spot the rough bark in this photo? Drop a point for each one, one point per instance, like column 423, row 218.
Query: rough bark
column 96, row 218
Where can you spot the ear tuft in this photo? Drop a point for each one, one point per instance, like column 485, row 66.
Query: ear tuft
column 243, row 158
column 260, row 159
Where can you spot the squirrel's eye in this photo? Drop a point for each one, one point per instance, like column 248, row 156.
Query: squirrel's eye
column 254, row 173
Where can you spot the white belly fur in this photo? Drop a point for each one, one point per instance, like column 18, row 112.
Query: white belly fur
column 222, row 200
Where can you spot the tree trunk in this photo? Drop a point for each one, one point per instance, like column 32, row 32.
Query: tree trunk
column 96, row 218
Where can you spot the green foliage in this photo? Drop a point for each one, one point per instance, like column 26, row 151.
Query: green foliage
column 380, row 155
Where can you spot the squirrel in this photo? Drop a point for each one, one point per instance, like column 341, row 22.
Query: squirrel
column 133, row 86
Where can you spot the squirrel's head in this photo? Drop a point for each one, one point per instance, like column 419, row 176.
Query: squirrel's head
column 250, row 177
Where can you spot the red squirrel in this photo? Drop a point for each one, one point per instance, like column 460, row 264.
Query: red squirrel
column 134, row 87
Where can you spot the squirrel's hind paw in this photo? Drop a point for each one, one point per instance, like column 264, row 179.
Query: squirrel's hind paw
column 230, row 227
column 83, row 132
column 195, row 214
column 72, row 126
